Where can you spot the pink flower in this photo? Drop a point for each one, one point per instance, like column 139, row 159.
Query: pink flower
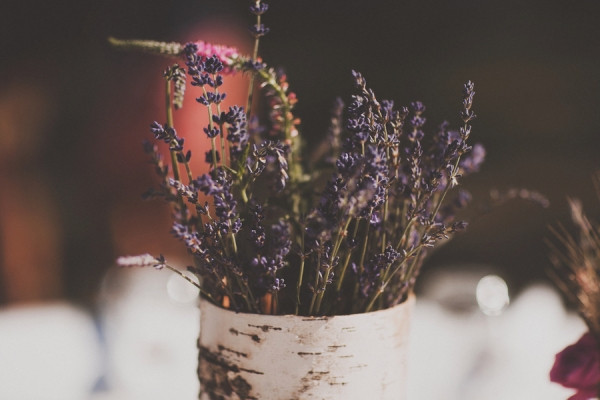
column 225, row 54
column 578, row 367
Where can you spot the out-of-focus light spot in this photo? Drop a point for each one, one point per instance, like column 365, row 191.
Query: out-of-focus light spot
column 181, row 290
column 492, row 295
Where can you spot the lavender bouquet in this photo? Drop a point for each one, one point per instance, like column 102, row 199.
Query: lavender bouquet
column 278, row 227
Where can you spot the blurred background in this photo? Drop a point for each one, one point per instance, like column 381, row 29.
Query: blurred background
column 73, row 114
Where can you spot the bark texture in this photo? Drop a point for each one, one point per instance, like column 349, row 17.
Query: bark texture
column 251, row 356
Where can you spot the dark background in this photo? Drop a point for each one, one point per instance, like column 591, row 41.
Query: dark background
column 74, row 108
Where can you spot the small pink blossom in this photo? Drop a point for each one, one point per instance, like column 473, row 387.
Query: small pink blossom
column 578, row 367
column 226, row 55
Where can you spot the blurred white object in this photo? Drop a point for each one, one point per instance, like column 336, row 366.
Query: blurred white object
column 492, row 295
column 181, row 290
column 521, row 347
column 47, row 351
column 150, row 321
column 459, row 353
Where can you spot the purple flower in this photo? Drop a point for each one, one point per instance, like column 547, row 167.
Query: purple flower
column 208, row 158
column 237, row 132
column 274, row 153
column 207, row 185
column 213, row 65
column 211, row 132
column 168, row 135
column 203, row 50
column 258, row 30
column 259, row 9
column 578, row 367
column 472, row 161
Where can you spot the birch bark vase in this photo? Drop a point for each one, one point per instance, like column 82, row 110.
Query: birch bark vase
column 287, row 357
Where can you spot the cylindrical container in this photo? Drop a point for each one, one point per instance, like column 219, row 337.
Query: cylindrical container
column 287, row 357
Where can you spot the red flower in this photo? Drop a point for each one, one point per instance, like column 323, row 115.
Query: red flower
column 578, row 367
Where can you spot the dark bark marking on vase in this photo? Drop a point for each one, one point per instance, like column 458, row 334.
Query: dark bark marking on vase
column 237, row 353
column 251, row 371
column 215, row 380
column 349, row 329
column 317, row 375
column 334, row 383
column 302, row 353
column 318, row 372
column 216, row 359
column 242, row 388
column 250, row 335
column 334, row 348
column 265, row 328
column 316, row 319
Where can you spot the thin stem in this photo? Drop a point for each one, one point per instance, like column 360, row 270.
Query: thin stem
column 383, row 222
column 275, row 302
column 385, row 201
column 188, row 171
column 247, row 295
column 295, row 169
column 336, row 247
column 361, row 265
column 315, row 288
column 213, row 144
column 169, row 108
column 221, row 134
column 340, row 279
column 413, row 265
column 234, row 243
column 446, row 190
column 404, row 232
column 389, row 277
column 363, row 251
column 253, row 75
column 301, row 273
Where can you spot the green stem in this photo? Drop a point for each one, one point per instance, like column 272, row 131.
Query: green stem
column 213, row 144
column 385, row 203
column 383, row 222
column 253, row 75
column 336, row 248
column 169, row 108
column 221, row 134
column 363, row 251
column 247, row 295
column 294, row 166
column 342, row 274
column 301, row 273
column 389, row 277
column 446, row 189
column 405, row 231
column 316, row 285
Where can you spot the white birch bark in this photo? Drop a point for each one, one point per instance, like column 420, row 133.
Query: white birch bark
column 251, row 356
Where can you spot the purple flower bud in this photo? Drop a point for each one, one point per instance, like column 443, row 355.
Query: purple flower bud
column 259, row 9
column 258, row 30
